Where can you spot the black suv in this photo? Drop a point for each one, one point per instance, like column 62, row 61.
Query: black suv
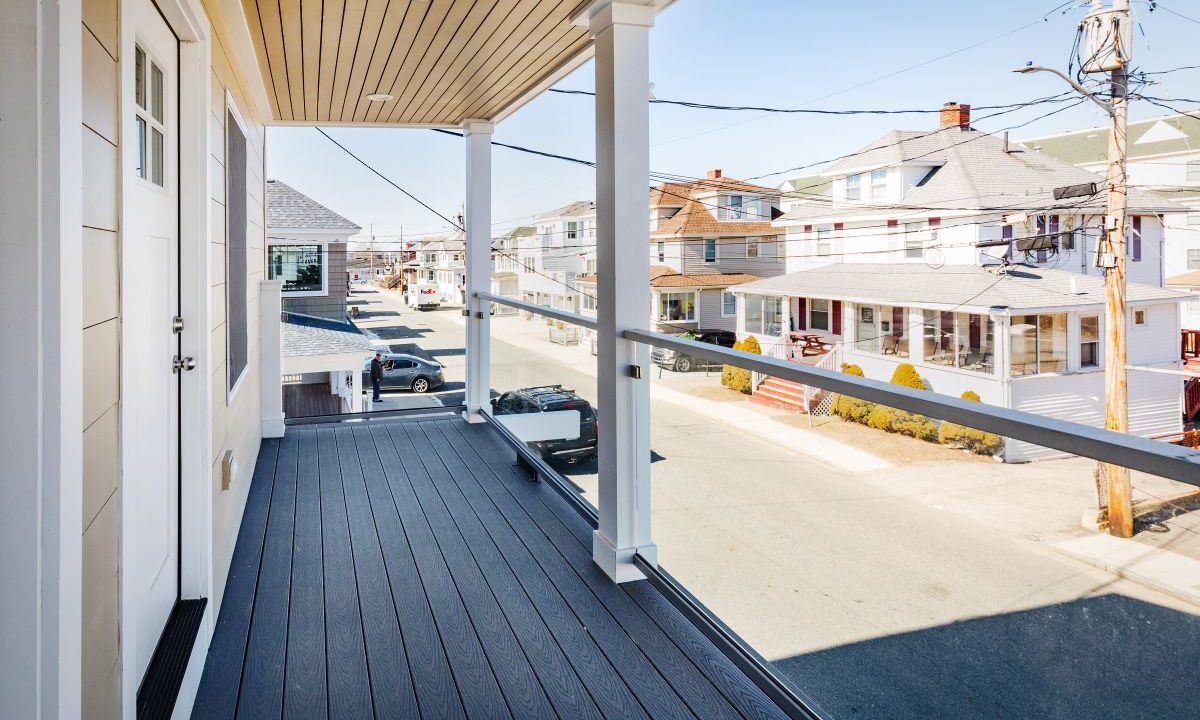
column 682, row 362
column 550, row 398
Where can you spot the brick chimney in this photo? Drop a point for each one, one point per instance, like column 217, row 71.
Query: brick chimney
column 714, row 174
column 955, row 114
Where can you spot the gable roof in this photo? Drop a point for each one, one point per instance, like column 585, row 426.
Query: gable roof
column 662, row 276
column 1189, row 279
column 289, row 208
column 975, row 172
column 579, row 208
column 967, row 288
column 695, row 217
column 1153, row 136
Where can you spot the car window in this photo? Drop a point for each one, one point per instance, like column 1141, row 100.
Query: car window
column 405, row 364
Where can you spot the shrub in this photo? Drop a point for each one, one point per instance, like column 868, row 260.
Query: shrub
column 736, row 378
column 891, row 419
column 977, row 441
column 849, row 408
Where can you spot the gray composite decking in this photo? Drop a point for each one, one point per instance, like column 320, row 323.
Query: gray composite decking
column 407, row 569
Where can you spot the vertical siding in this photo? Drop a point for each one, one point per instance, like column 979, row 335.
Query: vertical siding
column 101, row 322
column 236, row 423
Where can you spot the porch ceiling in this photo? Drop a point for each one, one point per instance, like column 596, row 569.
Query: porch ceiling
column 443, row 61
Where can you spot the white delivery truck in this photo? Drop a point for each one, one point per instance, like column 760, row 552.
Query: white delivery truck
column 424, row 296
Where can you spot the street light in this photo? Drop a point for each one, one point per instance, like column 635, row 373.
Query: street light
column 1027, row 69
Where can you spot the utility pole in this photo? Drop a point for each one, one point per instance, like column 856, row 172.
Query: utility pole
column 1109, row 48
column 1116, row 386
column 371, row 251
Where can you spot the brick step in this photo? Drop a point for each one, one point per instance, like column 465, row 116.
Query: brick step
column 778, row 402
column 782, row 388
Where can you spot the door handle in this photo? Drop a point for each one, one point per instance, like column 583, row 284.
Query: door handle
column 183, row 363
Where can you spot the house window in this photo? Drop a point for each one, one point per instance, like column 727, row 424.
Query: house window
column 882, row 329
column 1193, row 171
column 728, row 304
column 818, row 314
column 878, row 184
column 1089, row 341
column 589, row 302
column 676, row 307
column 662, row 251
column 149, row 117
column 764, row 314
column 236, row 275
column 300, row 267
column 1193, row 259
column 824, row 240
column 961, row 340
column 1038, row 343
column 736, row 209
column 1139, row 317
column 751, row 247
column 572, row 230
column 853, row 187
column 710, row 250
column 914, row 240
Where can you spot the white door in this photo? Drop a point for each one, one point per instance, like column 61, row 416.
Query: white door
column 150, row 285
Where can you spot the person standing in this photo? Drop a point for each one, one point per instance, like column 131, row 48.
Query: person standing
column 376, row 376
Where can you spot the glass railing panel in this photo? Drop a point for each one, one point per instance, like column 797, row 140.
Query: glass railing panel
column 328, row 357
column 891, row 565
column 543, row 378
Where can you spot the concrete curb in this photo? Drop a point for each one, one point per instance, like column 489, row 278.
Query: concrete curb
column 1158, row 569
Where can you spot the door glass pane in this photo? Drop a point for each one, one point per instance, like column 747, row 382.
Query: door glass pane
column 139, row 78
column 864, row 329
column 156, row 157
column 140, row 150
column 1052, row 342
column 156, row 92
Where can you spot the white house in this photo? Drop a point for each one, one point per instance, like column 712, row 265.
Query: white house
column 506, row 266
column 306, row 249
column 887, row 268
column 1163, row 156
column 563, row 247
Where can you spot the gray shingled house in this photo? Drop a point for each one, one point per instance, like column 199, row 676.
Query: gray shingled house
column 306, row 248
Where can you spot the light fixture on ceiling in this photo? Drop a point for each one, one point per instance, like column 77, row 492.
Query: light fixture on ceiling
column 380, row 97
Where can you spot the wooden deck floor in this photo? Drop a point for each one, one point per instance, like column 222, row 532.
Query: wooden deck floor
column 309, row 400
column 404, row 569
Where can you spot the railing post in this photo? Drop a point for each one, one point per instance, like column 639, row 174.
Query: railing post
column 478, row 136
column 621, row 31
column 271, row 358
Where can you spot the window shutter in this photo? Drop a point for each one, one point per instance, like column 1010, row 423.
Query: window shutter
column 836, row 309
column 802, row 314
column 1006, row 233
column 1136, row 240
column 935, row 222
column 807, row 229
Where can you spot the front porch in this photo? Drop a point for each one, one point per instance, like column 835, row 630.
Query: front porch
column 404, row 568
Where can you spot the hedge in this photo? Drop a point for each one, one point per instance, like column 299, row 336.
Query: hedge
column 849, row 408
column 736, row 378
column 977, row 441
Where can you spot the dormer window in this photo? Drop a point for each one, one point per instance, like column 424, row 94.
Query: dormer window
column 879, row 184
column 853, row 187
column 734, row 207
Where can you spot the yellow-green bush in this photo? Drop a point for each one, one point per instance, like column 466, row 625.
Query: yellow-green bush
column 736, row 378
column 851, row 408
column 901, row 421
column 977, row 441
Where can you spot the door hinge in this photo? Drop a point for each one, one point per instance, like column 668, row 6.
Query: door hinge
column 183, row 363
column 177, row 324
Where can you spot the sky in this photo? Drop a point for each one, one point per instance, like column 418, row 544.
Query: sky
column 780, row 53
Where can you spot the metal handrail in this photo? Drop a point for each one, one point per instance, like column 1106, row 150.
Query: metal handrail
column 1131, row 451
column 573, row 318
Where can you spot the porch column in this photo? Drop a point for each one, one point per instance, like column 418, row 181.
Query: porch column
column 621, row 32
column 271, row 358
column 478, row 135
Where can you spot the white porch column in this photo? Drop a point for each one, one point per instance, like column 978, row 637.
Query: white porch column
column 621, row 32
column 478, row 136
column 271, row 358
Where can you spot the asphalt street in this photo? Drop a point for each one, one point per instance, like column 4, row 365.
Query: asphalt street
column 875, row 604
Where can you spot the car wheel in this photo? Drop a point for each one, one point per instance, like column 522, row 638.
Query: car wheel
column 420, row 385
column 683, row 364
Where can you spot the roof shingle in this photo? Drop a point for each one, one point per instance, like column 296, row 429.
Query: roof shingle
column 289, row 208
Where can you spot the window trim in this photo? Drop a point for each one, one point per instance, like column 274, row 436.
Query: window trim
column 234, row 385
column 733, row 295
column 716, row 255
column 857, row 186
column 662, row 295
column 1097, row 354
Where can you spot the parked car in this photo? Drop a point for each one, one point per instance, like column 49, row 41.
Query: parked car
column 550, row 398
column 682, row 362
column 406, row 372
